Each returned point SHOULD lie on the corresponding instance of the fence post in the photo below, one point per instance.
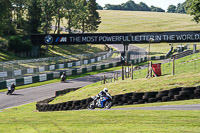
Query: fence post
(122, 72)
(104, 80)
(128, 72)
(173, 66)
(132, 71)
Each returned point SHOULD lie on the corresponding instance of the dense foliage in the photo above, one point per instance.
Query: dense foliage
(132, 6)
(38, 16)
(180, 8)
(16, 45)
(193, 8)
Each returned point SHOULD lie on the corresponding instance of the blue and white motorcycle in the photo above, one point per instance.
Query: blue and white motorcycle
(103, 102)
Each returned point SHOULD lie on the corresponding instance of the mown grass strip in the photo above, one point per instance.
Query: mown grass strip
(26, 119)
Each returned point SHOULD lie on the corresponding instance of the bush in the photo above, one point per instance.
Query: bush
(16, 45)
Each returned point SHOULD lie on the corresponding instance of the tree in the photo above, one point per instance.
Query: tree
(99, 7)
(81, 16)
(193, 9)
(156, 9)
(47, 14)
(171, 9)
(20, 8)
(6, 26)
(130, 6)
(113, 7)
(59, 14)
(143, 7)
(181, 8)
(34, 16)
(71, 11)
(93, 19)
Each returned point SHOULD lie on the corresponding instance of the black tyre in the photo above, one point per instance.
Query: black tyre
(148, 95)
(108, 105)
(188, 88)
(118, 97)
(130, 101)
(142, 101)
(152, 100)
(125, 99)
(185, 93)
(175, 90)
(197, 93)
(162, 93)
(198, 87)
(91, 106)
(137, 95)
(172, 94)
(179, 97)
(166, 98)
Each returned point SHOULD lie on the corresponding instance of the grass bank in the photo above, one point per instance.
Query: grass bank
(137, 21)
(186, 70)
(26, 119)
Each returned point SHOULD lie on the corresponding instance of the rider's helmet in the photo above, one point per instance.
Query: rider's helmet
(105, 89)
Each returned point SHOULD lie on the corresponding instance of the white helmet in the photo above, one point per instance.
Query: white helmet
(105, 89)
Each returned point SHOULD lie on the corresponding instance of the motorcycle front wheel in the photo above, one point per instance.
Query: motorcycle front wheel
(108, 105)
(91, 106)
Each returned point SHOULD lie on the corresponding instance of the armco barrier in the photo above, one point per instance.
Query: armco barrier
(181, 93)
(55, 75)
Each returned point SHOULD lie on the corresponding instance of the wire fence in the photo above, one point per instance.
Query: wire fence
(188, 64)
(21, 68)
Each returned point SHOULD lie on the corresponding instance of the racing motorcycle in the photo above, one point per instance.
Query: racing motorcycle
(11, 91)
(103, 102)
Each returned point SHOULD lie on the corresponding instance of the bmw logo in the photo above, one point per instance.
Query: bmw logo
(48, 39)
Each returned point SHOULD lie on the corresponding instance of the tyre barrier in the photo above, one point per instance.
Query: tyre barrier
(181, 93)
(65, 91)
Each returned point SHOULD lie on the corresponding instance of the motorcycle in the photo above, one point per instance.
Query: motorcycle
(104, 102)
(10, 92)
(63, 79)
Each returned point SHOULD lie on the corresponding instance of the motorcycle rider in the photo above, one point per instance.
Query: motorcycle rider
(99, 97)
(63, 77)
(11, 89)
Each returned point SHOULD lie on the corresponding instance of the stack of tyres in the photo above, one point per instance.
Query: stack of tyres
(185, 93)
(197, 92)
(162, 96)
(150, 97)
(126, 99)
(173, 92)
(84, 104)
(76, 105)
(117, 100)
(136, 97)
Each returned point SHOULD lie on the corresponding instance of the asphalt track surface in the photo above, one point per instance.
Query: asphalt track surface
(38, 93)
(33, 94)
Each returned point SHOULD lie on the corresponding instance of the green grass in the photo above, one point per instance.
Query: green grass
(135, 21)
(186, 70)
(25, 119)
(56, 51)
(183, 102)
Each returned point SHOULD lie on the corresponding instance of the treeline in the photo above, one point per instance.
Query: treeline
(38, 16)
(180, 8)
(132, 6)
